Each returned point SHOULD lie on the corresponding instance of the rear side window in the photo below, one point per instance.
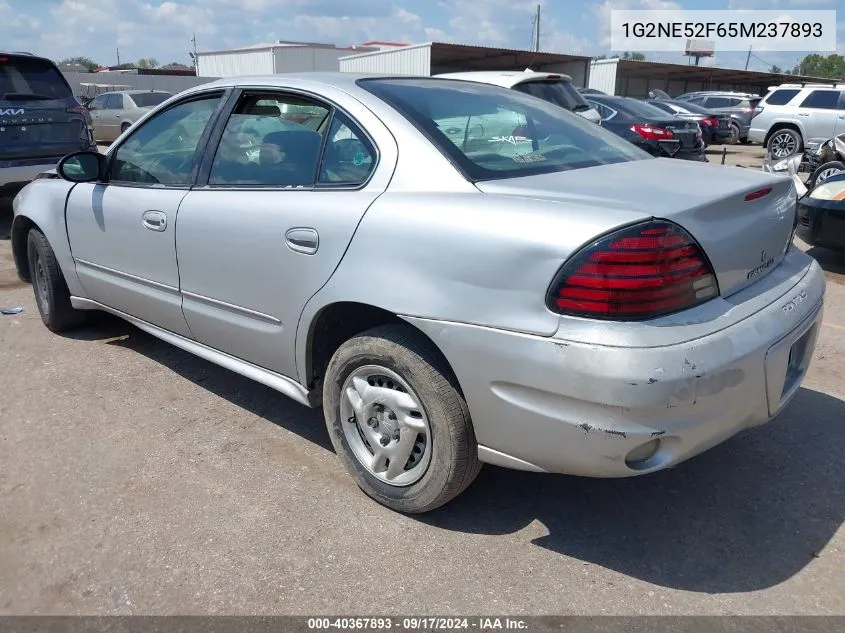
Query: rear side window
(113, 102)
(150, 99)
(22, 78)
(560, 93)
(824, 99)
(781, 97)
(718, 102)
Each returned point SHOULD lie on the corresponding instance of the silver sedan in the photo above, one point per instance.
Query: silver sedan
(456, 272)
(114, 112)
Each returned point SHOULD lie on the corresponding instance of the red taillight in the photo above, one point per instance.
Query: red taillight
(754, 195)
(711, 122)
(640, 272)
(652, 133)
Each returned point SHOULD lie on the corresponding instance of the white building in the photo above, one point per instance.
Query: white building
(432, 58)
(270, 58)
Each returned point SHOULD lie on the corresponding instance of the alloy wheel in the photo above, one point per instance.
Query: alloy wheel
(783, 144)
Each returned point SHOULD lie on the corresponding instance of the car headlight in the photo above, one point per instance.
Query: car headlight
(831, 190)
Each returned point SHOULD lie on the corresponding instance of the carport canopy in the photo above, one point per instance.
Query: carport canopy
(448, 57)
(634, 78)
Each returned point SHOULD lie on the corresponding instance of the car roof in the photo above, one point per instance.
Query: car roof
(347, 81)
(504, 78)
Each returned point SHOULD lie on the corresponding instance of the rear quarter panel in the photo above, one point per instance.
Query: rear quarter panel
(464, 257)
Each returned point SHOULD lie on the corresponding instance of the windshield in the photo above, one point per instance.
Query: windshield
(490, 132)
(559, 92)
(149, 99)
(33, 78)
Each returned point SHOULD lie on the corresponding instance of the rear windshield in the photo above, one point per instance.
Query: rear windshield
(638, 108)
(686, 106)
(149, 99)
(23, 78)
(560, 93)
(490, 132)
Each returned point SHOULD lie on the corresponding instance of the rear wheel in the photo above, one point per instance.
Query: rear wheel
(825, 171)
(51, 292)
(785, 142)
(398, 421)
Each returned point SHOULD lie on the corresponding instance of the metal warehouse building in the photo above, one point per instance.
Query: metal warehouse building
(633, 78)
(432, 58)
(274, 57)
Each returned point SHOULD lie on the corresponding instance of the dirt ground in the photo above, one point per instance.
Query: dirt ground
(137, 479)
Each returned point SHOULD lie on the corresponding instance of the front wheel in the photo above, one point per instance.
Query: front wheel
(398, 421)
(51, 292)
(825, 171)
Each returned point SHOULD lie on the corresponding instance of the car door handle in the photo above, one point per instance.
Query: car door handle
(803, 114)
(154, 220)
(302, 240)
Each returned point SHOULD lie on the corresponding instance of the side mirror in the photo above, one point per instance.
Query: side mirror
(82, 167)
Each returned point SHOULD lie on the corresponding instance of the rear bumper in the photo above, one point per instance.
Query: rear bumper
(757, 135)
(14, 175)
(553, 405)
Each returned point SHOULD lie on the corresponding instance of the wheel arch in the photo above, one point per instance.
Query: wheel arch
(42, 205)
(337, 322)
(781, 125)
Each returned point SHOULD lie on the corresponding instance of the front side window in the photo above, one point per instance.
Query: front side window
(823, 99)
(164, 149)
(114, 102)
(492, 132)
(271, 141)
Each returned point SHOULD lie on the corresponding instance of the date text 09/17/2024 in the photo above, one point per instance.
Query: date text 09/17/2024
(418, 624)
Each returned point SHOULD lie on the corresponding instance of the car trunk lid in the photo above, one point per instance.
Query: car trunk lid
(39, 117)
(742, 219)
(34, 129)
(683, 130)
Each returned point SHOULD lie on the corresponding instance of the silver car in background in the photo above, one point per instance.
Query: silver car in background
(113, 112)
(555, 301)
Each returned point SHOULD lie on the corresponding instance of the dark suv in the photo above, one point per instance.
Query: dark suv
(739, 105)
(40, 120)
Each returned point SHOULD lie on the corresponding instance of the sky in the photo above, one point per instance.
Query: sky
(163, 29)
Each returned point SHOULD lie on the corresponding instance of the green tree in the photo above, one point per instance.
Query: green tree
(89, 63)
(635, 56)
(775, 69)
(815, 65)
(145, 62)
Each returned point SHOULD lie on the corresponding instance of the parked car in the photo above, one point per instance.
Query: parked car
(40, 120)
(552, 87)
(794, 116)
(561, 303)
(739, 105)
(715, 128)
(114, 112)
(650, 128)
(590, 91)
(821, 214)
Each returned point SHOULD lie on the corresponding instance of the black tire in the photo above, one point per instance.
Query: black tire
(51, 293)
(775, 137)
(812, 181)
(454, 460)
